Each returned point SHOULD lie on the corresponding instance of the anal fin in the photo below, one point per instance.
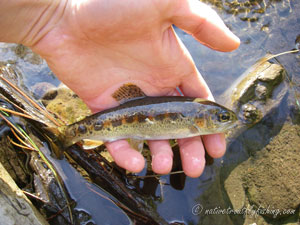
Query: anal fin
(88, 144)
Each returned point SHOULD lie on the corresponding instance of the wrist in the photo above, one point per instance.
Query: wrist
(27, 21)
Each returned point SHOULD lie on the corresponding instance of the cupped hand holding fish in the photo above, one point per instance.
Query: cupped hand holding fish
(95, 46)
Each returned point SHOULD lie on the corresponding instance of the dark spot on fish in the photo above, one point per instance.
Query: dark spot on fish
(173, 116)
(135, 118)
(129, 119)
(141, 118)
(200, 115)
(116, 123)
(98, 125)
(106, 123)
(200, 122)
(88, 122)
(82, 129)
(160, 117)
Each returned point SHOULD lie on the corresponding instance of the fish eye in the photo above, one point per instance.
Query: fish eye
(82, 129)
(224, 117)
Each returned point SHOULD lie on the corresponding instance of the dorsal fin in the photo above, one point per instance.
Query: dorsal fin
(128, 92)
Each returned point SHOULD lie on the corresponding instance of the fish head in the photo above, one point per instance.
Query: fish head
(223, 119)
(214, 118)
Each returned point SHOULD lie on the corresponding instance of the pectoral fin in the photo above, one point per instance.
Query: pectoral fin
(136, 144)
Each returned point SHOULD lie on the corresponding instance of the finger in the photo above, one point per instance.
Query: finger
(204, 24)
(215, 144)
(192, 156)
(162, 156)
(125, 156)
(195, 86)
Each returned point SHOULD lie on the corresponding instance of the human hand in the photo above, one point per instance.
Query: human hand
(95, 46)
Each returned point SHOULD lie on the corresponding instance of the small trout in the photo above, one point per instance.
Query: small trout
(151, 118)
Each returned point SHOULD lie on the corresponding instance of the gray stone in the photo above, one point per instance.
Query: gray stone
(15, 208)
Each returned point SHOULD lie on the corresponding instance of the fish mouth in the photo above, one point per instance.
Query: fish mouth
(234, 124)
(231, 124)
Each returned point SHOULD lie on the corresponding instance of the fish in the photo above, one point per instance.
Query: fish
(144, 117)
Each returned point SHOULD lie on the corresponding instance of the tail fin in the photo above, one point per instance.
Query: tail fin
(56, 139)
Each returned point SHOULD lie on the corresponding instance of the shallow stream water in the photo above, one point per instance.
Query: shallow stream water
(263, 26)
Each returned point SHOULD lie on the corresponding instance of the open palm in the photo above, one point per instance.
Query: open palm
(96, 46)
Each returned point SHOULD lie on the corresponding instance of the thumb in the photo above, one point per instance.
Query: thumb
(204, 24)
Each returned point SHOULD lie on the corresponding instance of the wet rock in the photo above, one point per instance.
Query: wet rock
(250, 113)
(66, 104)
(261, 78)
(261, 91)
(257, 92)
(15, 208)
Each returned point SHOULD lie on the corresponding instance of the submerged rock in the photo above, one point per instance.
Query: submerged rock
(260, 173)
(270, 179)
(258, 90)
